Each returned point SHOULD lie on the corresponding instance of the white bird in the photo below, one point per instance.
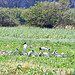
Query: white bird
(30, 53)
(40, 54)
(62, 54)
(10, 52)
(58, 55)
(25, 54)
(46, 54)
(72, 51)
(44, 48)
(35, 53)
(54, 53)
(25, 46)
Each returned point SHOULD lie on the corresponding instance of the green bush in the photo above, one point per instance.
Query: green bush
(43, 14)
(7, 20)
(71, 13)
(40, 15)
(48, 14)
(16, 12)
(11, 17)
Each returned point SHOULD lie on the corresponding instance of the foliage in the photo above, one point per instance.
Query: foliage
(38, 15)
(46, 14)
(43, 14)
(16, 12)
(11, 17)
(71, 13)
(7, 20)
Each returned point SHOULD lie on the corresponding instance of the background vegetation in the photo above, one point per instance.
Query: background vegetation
(43, 14)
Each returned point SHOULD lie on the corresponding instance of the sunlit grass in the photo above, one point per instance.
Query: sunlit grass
(22, 64)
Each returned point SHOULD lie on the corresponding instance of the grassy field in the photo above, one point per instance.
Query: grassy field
(61, 40)
(35, 33)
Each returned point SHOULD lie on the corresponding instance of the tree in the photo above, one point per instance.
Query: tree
(47, 14)
(40, 15)
(7, 20)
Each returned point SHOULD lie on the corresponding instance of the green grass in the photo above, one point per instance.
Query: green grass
(39, 65)
(57, 39)
(35, 33)
(10, 65)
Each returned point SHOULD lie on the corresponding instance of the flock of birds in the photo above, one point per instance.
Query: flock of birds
(33, 53)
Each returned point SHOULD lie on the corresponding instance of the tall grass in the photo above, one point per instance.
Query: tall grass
(60, 39)
(36, 33)
(56, 39)
(36, 66)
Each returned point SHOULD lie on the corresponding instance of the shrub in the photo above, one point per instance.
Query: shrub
(12, 17)
(16, 12)
(46, 14)
(40, 15)
(7, 20)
